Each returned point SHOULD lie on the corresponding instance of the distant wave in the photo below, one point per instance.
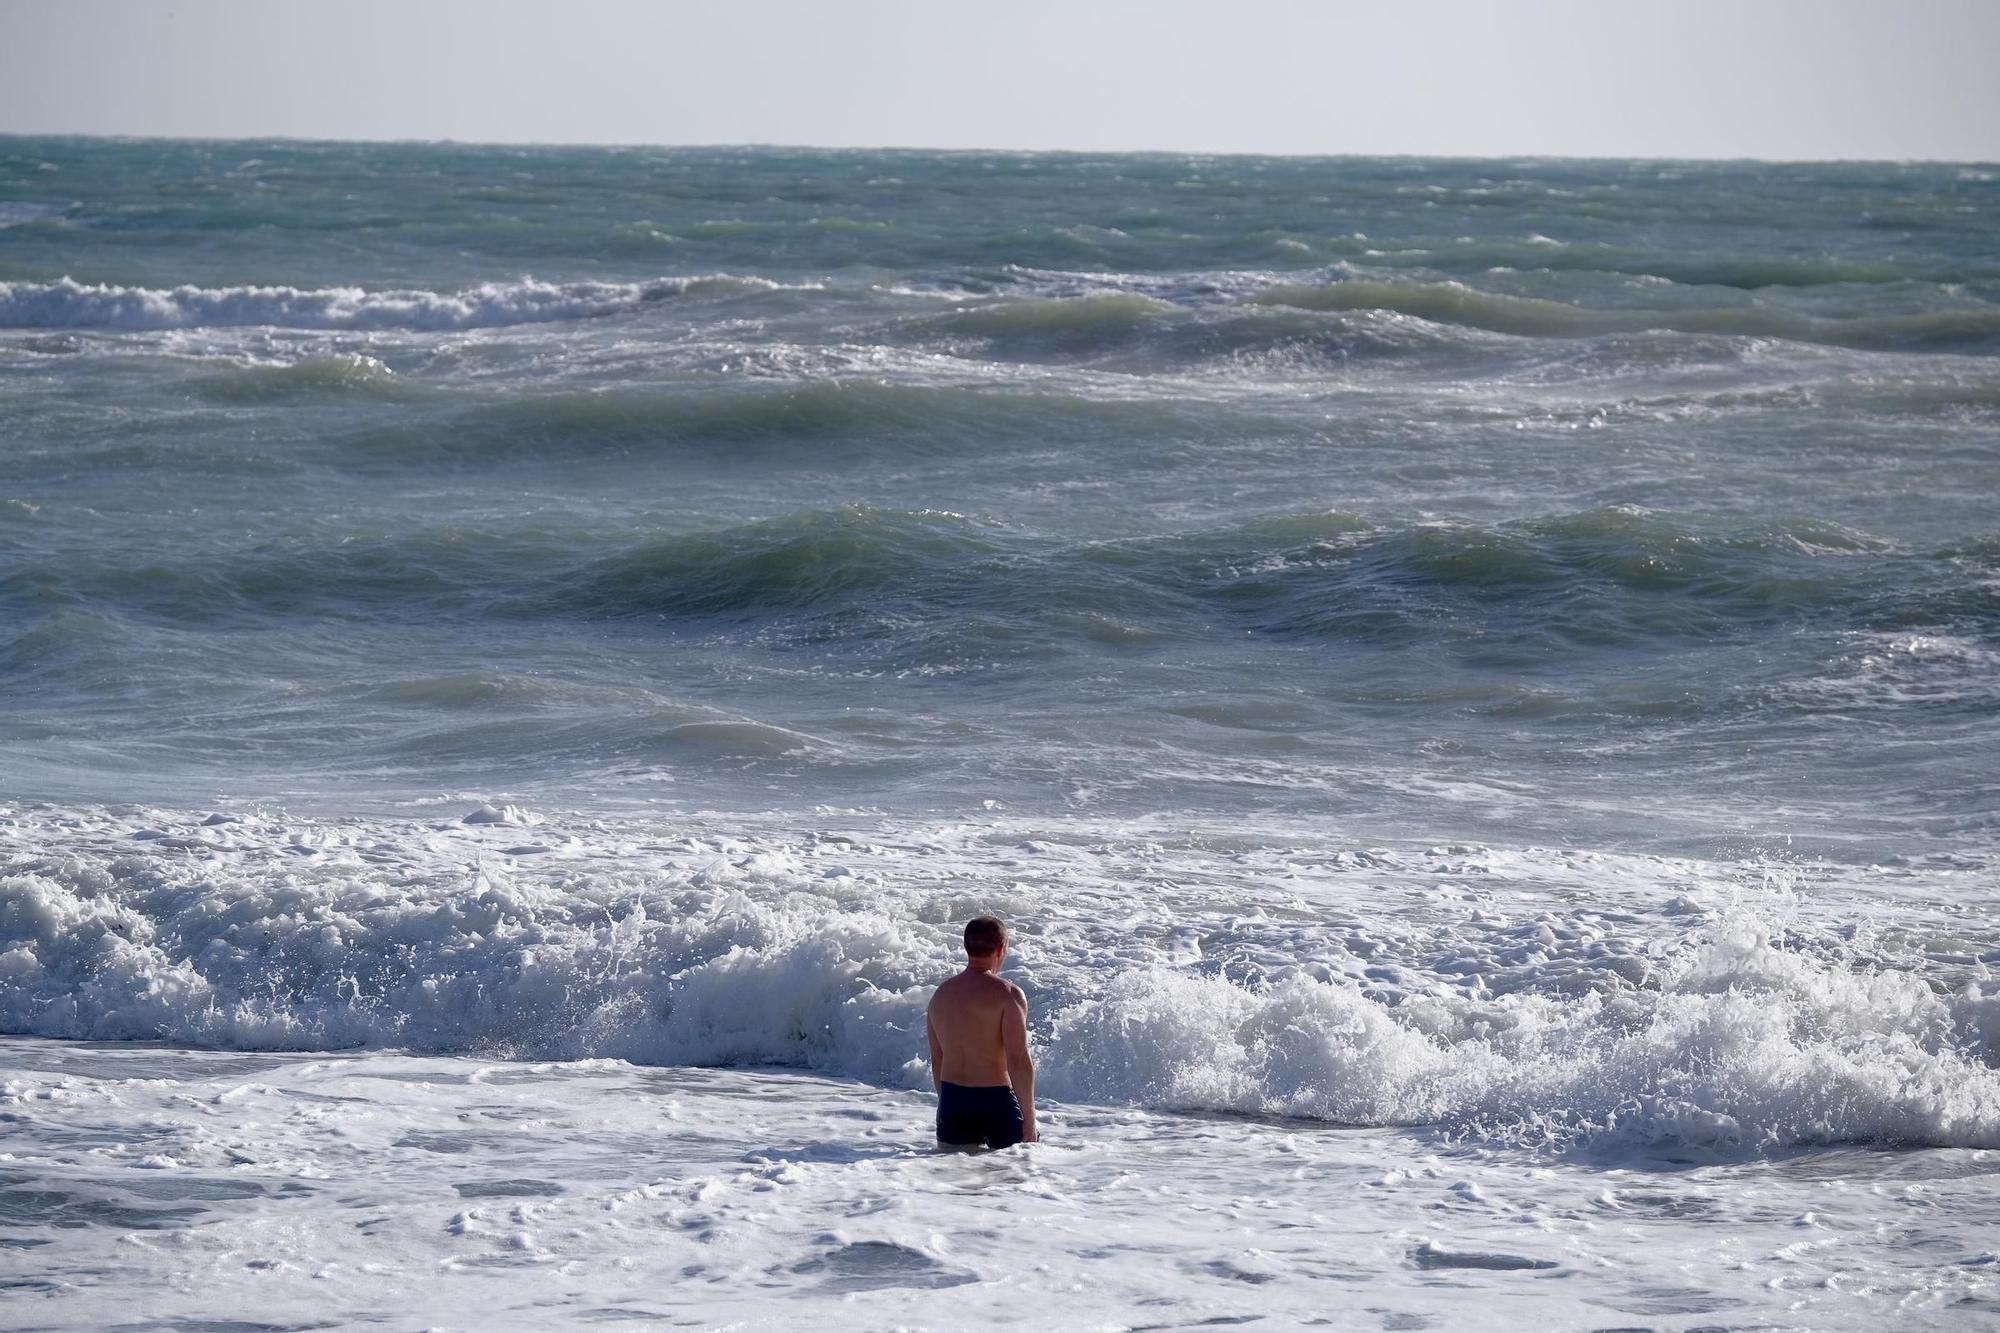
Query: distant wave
(1165, 321)
(885, 580)
(1747, 272)
(1082, 315)
(1074, 315)
(1955, 329)
(1130, 333)
(68, 304)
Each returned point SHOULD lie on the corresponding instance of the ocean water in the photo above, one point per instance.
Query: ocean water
(1476, 683)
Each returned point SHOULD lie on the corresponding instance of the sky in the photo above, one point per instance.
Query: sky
(1779, 79)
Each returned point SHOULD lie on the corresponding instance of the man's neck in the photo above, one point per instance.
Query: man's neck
(982, 964)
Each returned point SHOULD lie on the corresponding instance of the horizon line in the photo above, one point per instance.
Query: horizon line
(769, 146)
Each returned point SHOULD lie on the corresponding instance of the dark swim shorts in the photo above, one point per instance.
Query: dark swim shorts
(969, 1117)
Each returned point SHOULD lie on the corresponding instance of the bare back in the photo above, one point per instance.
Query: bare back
(972, 1018)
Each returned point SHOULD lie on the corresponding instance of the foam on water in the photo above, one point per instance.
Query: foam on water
(68, 304)
(1280, 989)
(365, 1188)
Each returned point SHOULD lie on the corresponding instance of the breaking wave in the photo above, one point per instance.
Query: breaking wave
(68, 304)
(1716, 1033)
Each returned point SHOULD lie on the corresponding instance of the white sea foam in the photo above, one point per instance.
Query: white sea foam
(1460, 988)
(1899, 671)
(68, 304)
(369, 1188)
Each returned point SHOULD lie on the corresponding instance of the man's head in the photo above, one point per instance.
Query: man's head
(985, 939)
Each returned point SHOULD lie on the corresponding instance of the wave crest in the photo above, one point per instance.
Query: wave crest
(1959, 329)
(68, 304)
(1744, 1045)
(1613, 574)
(726, 952)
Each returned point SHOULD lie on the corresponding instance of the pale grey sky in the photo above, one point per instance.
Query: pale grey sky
(1681, 78)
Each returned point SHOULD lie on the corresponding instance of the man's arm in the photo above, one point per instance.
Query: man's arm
(937, 1052)
(1020, 1066)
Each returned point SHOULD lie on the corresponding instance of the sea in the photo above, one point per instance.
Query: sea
(1474, 683)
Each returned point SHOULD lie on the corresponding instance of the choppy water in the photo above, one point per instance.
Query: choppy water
(1506, 654)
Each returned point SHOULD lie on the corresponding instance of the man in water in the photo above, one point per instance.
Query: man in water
(979, 1049)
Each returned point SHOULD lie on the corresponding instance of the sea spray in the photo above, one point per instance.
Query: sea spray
(732, 952)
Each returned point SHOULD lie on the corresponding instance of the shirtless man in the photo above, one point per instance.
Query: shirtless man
(979, 1049)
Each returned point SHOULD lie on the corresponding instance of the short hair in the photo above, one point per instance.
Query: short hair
(984, 935)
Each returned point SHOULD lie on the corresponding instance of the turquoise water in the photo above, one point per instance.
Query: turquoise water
(1606, 504)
